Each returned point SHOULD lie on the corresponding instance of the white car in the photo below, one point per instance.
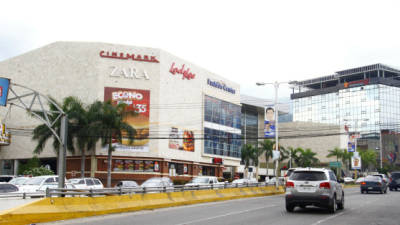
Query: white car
(158, 184)
(272, 181)
(348, 180)
(359, 180)
(19, 181)
(244, 181)
(204, 181)
(39, 184)
(86, 183)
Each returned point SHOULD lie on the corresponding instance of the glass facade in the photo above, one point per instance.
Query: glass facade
(366, 109)
(250, 125)
(222, 134)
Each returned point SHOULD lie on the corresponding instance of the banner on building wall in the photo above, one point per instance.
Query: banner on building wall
(4, 87)
(5, 137)
(269, 122)
(138, 102)
(181, 139)
(351, 145)
(356, 163)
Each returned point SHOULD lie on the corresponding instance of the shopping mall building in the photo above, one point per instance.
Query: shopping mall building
(177, 104)
(364, 100)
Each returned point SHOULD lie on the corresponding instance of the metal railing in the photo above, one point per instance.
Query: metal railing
(69, 192)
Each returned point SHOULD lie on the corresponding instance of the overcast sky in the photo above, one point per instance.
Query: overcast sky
(244, 41)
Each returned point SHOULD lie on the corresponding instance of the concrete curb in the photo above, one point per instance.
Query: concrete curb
(53, 209)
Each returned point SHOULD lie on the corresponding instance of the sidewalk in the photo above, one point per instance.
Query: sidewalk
(9, 203)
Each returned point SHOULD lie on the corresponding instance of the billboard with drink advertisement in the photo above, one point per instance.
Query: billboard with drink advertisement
(356, 163)
(181, 139)
(138, 102)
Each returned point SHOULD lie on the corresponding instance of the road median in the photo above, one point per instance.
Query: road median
(53, 209)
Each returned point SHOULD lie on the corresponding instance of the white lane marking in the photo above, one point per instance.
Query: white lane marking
(224, 215)
(328, 218)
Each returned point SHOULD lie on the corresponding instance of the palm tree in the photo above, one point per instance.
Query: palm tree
(338, 153)
(248, 153)
(307, 158)
(108, 124)
(293, 155)
(346, 157)
(42, 133)
(368, 158)
(266, 147)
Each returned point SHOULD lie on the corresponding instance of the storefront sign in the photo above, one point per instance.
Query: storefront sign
(126, 56)
(128, 72)
(181, 139)
(217, 161)
(4, 86)
(135, 165)
(137, 101)
(220, 85)
(186, 74)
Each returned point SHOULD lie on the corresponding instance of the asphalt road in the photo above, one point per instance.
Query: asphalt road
(360, 209)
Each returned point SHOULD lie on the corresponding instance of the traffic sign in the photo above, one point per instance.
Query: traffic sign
(335, 164)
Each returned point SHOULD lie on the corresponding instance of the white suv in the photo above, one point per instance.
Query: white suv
(314, 186)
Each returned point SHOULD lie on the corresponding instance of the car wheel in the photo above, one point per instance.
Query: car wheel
(341, 203)
(289, 208)
(302, 206)
(391, 189)
(367, 192)
(362, 192)
(333, 205)
(385, 191)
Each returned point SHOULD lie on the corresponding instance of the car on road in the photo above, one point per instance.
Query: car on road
(373, 183)
(19, 181)
(359, 180)
(383, 176)
(348, 180)
(39, 184)
(126, 184)
(6, 178)
(8, 188)
(244, 181)
(158, 184)
(204, 181)
(86, 183)
(394, 181)
(272, 181)
(314, 186)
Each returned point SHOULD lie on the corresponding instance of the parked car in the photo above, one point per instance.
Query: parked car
(394, 181)
(314, 186)
(6, 178)
(204, 181)
(86, 183)
(8, 188)
(19, 181)
(39, 184)
(373, 183)
(272, 181)
(158, 184)
(127, 184)
(244, 181)
(348, 180)
(288, 173)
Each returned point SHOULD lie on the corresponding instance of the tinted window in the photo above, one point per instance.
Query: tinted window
(49, 180)
(395, 175)
(89, 182)
(308, 175)
(97, 182)
(4, 188)
(332, 176)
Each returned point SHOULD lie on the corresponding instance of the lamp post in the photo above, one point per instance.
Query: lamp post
(276, 86)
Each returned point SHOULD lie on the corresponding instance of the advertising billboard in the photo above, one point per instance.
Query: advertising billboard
(269, 122)
(181, 139)
(137, 101)
(5, 137)
(356, 163)
(4, 87)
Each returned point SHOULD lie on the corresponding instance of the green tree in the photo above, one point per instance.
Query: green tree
(34, 162)
(346, 159)
(266, 147)
(248, 154)
(307, 158)
(293, 155)
(42, 133)
(38, 171)
(368, 158)
(109, 125)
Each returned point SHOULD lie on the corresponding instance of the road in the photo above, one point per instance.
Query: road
(359, 209)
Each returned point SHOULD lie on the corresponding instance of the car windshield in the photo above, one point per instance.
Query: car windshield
(18, 180)
(395, 175)
(200, 180)
(151, 182)
(308, 175)
(35, 181)
(77, 181)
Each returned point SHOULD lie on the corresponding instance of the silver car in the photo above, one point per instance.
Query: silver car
(314, 186)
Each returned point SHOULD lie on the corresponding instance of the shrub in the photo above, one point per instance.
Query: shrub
(38, 171)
